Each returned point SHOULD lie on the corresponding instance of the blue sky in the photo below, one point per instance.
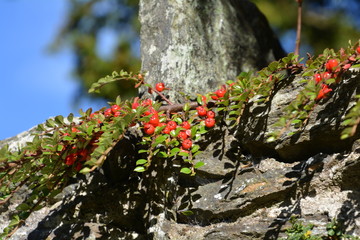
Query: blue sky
(35, 84)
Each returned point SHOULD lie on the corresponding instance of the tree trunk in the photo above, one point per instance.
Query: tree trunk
(195, 46)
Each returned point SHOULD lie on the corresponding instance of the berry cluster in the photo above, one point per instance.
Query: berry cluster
(75, 154)
(179, 126)
(332, 70)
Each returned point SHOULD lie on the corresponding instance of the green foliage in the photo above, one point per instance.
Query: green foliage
(63, 147)
(325, 24)
(84, 28)
(300, 231)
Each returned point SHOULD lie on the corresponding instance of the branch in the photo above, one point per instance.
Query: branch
(298, 30)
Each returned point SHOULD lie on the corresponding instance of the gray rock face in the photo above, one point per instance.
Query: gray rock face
(195, 46)
(321, 134)
(243, 191)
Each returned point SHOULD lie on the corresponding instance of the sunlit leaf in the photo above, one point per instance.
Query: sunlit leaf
(186, 170)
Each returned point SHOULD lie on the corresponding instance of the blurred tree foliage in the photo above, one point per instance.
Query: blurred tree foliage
(326, 23)
(97, 26)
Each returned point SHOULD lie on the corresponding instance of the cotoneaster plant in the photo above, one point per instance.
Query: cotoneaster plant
(64, 147)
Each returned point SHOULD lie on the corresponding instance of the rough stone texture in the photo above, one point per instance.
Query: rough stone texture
(243, 192)
(321, 134)
(195, 46)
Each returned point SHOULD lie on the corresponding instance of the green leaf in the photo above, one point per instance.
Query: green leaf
(271, 139)
(174, 151)
(88, 112)
(141, 162)
(273, 66)
(331, 232)
(185, 170)
(183, 154)
(186, 107)
(344, 136)
(195, 148)
(23, 207)
(199, 99)
(67, 138)
(295, 121)
(50, 123)
(139, 169)
(330, 81)
(85, 170)
(162, 154)
(59, 120)
(160, 139)
(81, 112)
(193, 131)
(118, 100)
(41, 128)
(14, 221)
(356, 66)
(199, 164)
(187, 212)
(70, 118)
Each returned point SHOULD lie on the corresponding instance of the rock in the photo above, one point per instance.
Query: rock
(321, 134)
(195, 46)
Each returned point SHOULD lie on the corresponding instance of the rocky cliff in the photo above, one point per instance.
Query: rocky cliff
(249, 188)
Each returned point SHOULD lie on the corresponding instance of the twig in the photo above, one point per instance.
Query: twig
(179, 107)
(298, 30)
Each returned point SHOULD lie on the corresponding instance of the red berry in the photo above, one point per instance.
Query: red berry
(147, 102)
(117, 114)
(161, 124)
(149, 129)
(115, 108)
(186, 144)
(323, 91)
(70, 159)
(167, 130)
(150, 111)
(160, 87)
(74, 129)
(82, 154)
(186, 125)
(209, 122)
(317, 77)
(358, 49)
(210, 114)
(171, 125)
(108, 112)
(182, 135)
(331, 64)
(78, 167)
(201, 111)
(203, 98)
(214, 97)
(326, 75)
(154, 120)
(221, 92)
(135, 105)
